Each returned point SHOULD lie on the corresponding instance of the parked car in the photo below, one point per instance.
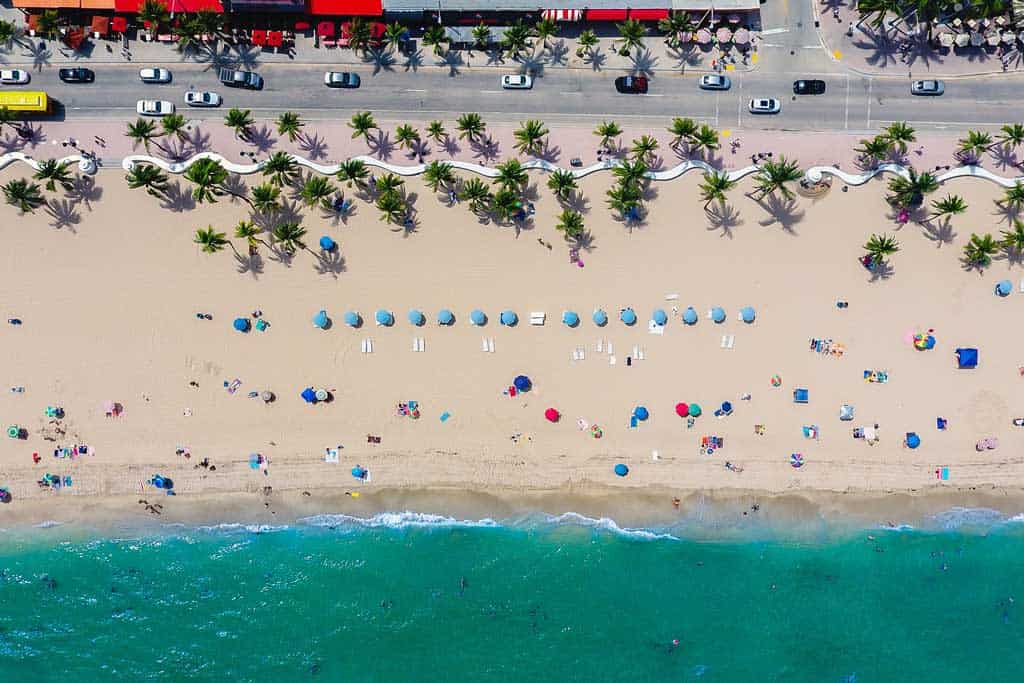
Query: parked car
(933, 88)
(14, 77)
(808, 87)
(341, 79)
(767, 105)
(636, 85)
(154, 107)
(202, 98)
(155, 75)
(714, 82)
(516, 82)
(77, 74)
(235, 78)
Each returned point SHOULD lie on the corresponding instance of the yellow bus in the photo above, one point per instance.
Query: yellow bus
(25, 101)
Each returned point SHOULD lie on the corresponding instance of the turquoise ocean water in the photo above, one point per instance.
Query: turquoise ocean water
(405, 597)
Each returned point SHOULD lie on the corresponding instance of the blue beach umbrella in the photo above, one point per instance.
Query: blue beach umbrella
(659, 317)
(726, 407)
(416, 317)
(358, 472)
(641, 413)
(570, 318)
(522, 383)
(308, 395)
(747, 314)
(384, 317)
(600, 317)
(241, 324)
(621, 470)
(690, 316)
(321, 320)
(477, 317)
(913, 440)
(353, 319)
(1004, 288)
(718, 314)
(327, 244)
(445, 317)
(509, 318)
(628, 316)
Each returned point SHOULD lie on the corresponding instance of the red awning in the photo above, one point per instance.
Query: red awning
(127, 6)
(606, 15)
(302, 25)
(100, 25)
(562, 14)
(362, 8)
(325, 29)
(119, 24)
(175, 6)
(648, 14)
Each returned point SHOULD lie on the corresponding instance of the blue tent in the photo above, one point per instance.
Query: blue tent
(321, 320)
(1004, 287)
(913, 440)
(628, 316)
(242, 324)
(659, 317)
(477, 317)
(621, 470)
(358, 472)
(600, 317)
(718, 314)
(967, 358)
(308, 395)
(522, 383)
(327, 244)
(445, 317)
(690, 316)
(801, 395)
(509, 317)
(570, 318)
(747, 314)
(384, 317)
(641, 413)
(416, 317)
(353, 319)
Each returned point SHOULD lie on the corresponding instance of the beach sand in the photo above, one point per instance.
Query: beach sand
(109, 301)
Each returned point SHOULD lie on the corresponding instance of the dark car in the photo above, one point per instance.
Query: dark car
(631, 84)
(76, 74)
(808, 87)
(235, 78)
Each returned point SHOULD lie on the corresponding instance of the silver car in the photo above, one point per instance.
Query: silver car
(516, 82)
(155, 75)
(933, 88)
(154, 107)
(767, 105)
(714, 82)
(205, 98)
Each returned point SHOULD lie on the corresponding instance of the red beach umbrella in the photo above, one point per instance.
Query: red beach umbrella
(552, 415)
(682, 410)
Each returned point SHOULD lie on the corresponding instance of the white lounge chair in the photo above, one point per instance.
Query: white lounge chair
(538, 317)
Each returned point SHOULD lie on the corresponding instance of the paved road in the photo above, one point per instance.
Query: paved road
(852, 103)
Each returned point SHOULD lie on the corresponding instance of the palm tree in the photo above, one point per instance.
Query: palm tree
(48, 24)
(1013, 240)
(436, 131)
(876, 149)
(673, 25)
(149, 177)
(281, 168)
(1013, 197)
(361, 124)
(248, 231)
(562, 183)
(289, 235)
(950, 205)
(143, 130)
(481, 36)
(266, 198)
(683, 129)
(210, 241)
(239, 120)
(511, 174)
(438, 173)
(476, 192)
(317, 190)
(631, 172)
(407, 136)
(470, 126)
(544, 29)
(516, 39)
(530, 136)
(900, 134)
(54, 173)
(643, 148)
(624, 198)
(505, 204)
(714, 186)
(353, 171)
(586, 42)
(608, 131)
(436, 37)
(9, 34)
(174, 124)
(879, 247)
(1011, 135)
(570, 224)
(209, 178)
(631, 35)
(289, 123)
(391, 206)
(23, 194)
(910, 191)
(389, 182)
(774, 175)
(705, 139)
(393, 35)
(979, 250)
(974, 145)
(358, 34)
(8, 118)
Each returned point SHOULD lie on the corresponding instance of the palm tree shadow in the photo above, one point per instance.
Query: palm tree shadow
(451, 145)
(488, 149)
(198, 140)
(452, 60)
(63, 213)
(596, 59)
(577, 201)
(532, 65)
(39, 52)
(84, 190)
(236, 188)
(495, 57)
(1006, 213)
(723, 217)
(32, 135)
(381, 58)
(584, 242)
(1004, 157)
(251, 263)
(337, 217)
(881, 271)
(281, 255)
(656, 163)
(558, 53)
(941, 234)
(521, 226)
(644, 63)
(263, 139)
(549, 153)
(413, 61)
(177, 198)
(314, 146)
(381, 145)
(782, 211)
(330, 263)
(883, 49)
(12, 143)
(685, 55)
(419, 149)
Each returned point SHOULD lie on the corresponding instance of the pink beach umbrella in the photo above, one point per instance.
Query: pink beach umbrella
(552, 415)
(682, 410)
(741, 37)
(703, 36)
(724, 35)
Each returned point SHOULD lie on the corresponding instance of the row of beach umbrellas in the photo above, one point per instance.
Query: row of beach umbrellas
(509, 317)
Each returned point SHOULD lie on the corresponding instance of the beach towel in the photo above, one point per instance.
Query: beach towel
(331, 456)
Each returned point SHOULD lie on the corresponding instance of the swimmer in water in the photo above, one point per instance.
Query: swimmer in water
(462, 585)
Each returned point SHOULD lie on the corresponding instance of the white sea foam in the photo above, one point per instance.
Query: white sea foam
(606, 524)
(958, 517)
(248, 528)
(48, 524)
(395, 520)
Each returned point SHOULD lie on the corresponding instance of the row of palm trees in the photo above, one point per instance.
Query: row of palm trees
(27, 196)
(970, 149)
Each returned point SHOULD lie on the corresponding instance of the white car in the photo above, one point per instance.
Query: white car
(202, 98)
(155, 75)
(714, 82)
(768, 105)
(14, 77)
(927, 88)
(154, 107)
(516, 82)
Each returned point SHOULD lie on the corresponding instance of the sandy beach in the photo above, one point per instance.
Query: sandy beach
(109, 303)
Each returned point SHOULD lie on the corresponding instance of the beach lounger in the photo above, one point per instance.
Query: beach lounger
(415, 344)
(538, 318)
(725, 340)
(609, 348)
(671, 297)
(331, 455)
(599, 347)
(732, 341)
(583, 353)
(641, 353)
(611, 360)
(483, 344)
(490, 345)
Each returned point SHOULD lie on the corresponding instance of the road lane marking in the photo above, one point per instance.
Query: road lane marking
(773, 31)
(412, 90)
(871, 83)
(846, 121)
